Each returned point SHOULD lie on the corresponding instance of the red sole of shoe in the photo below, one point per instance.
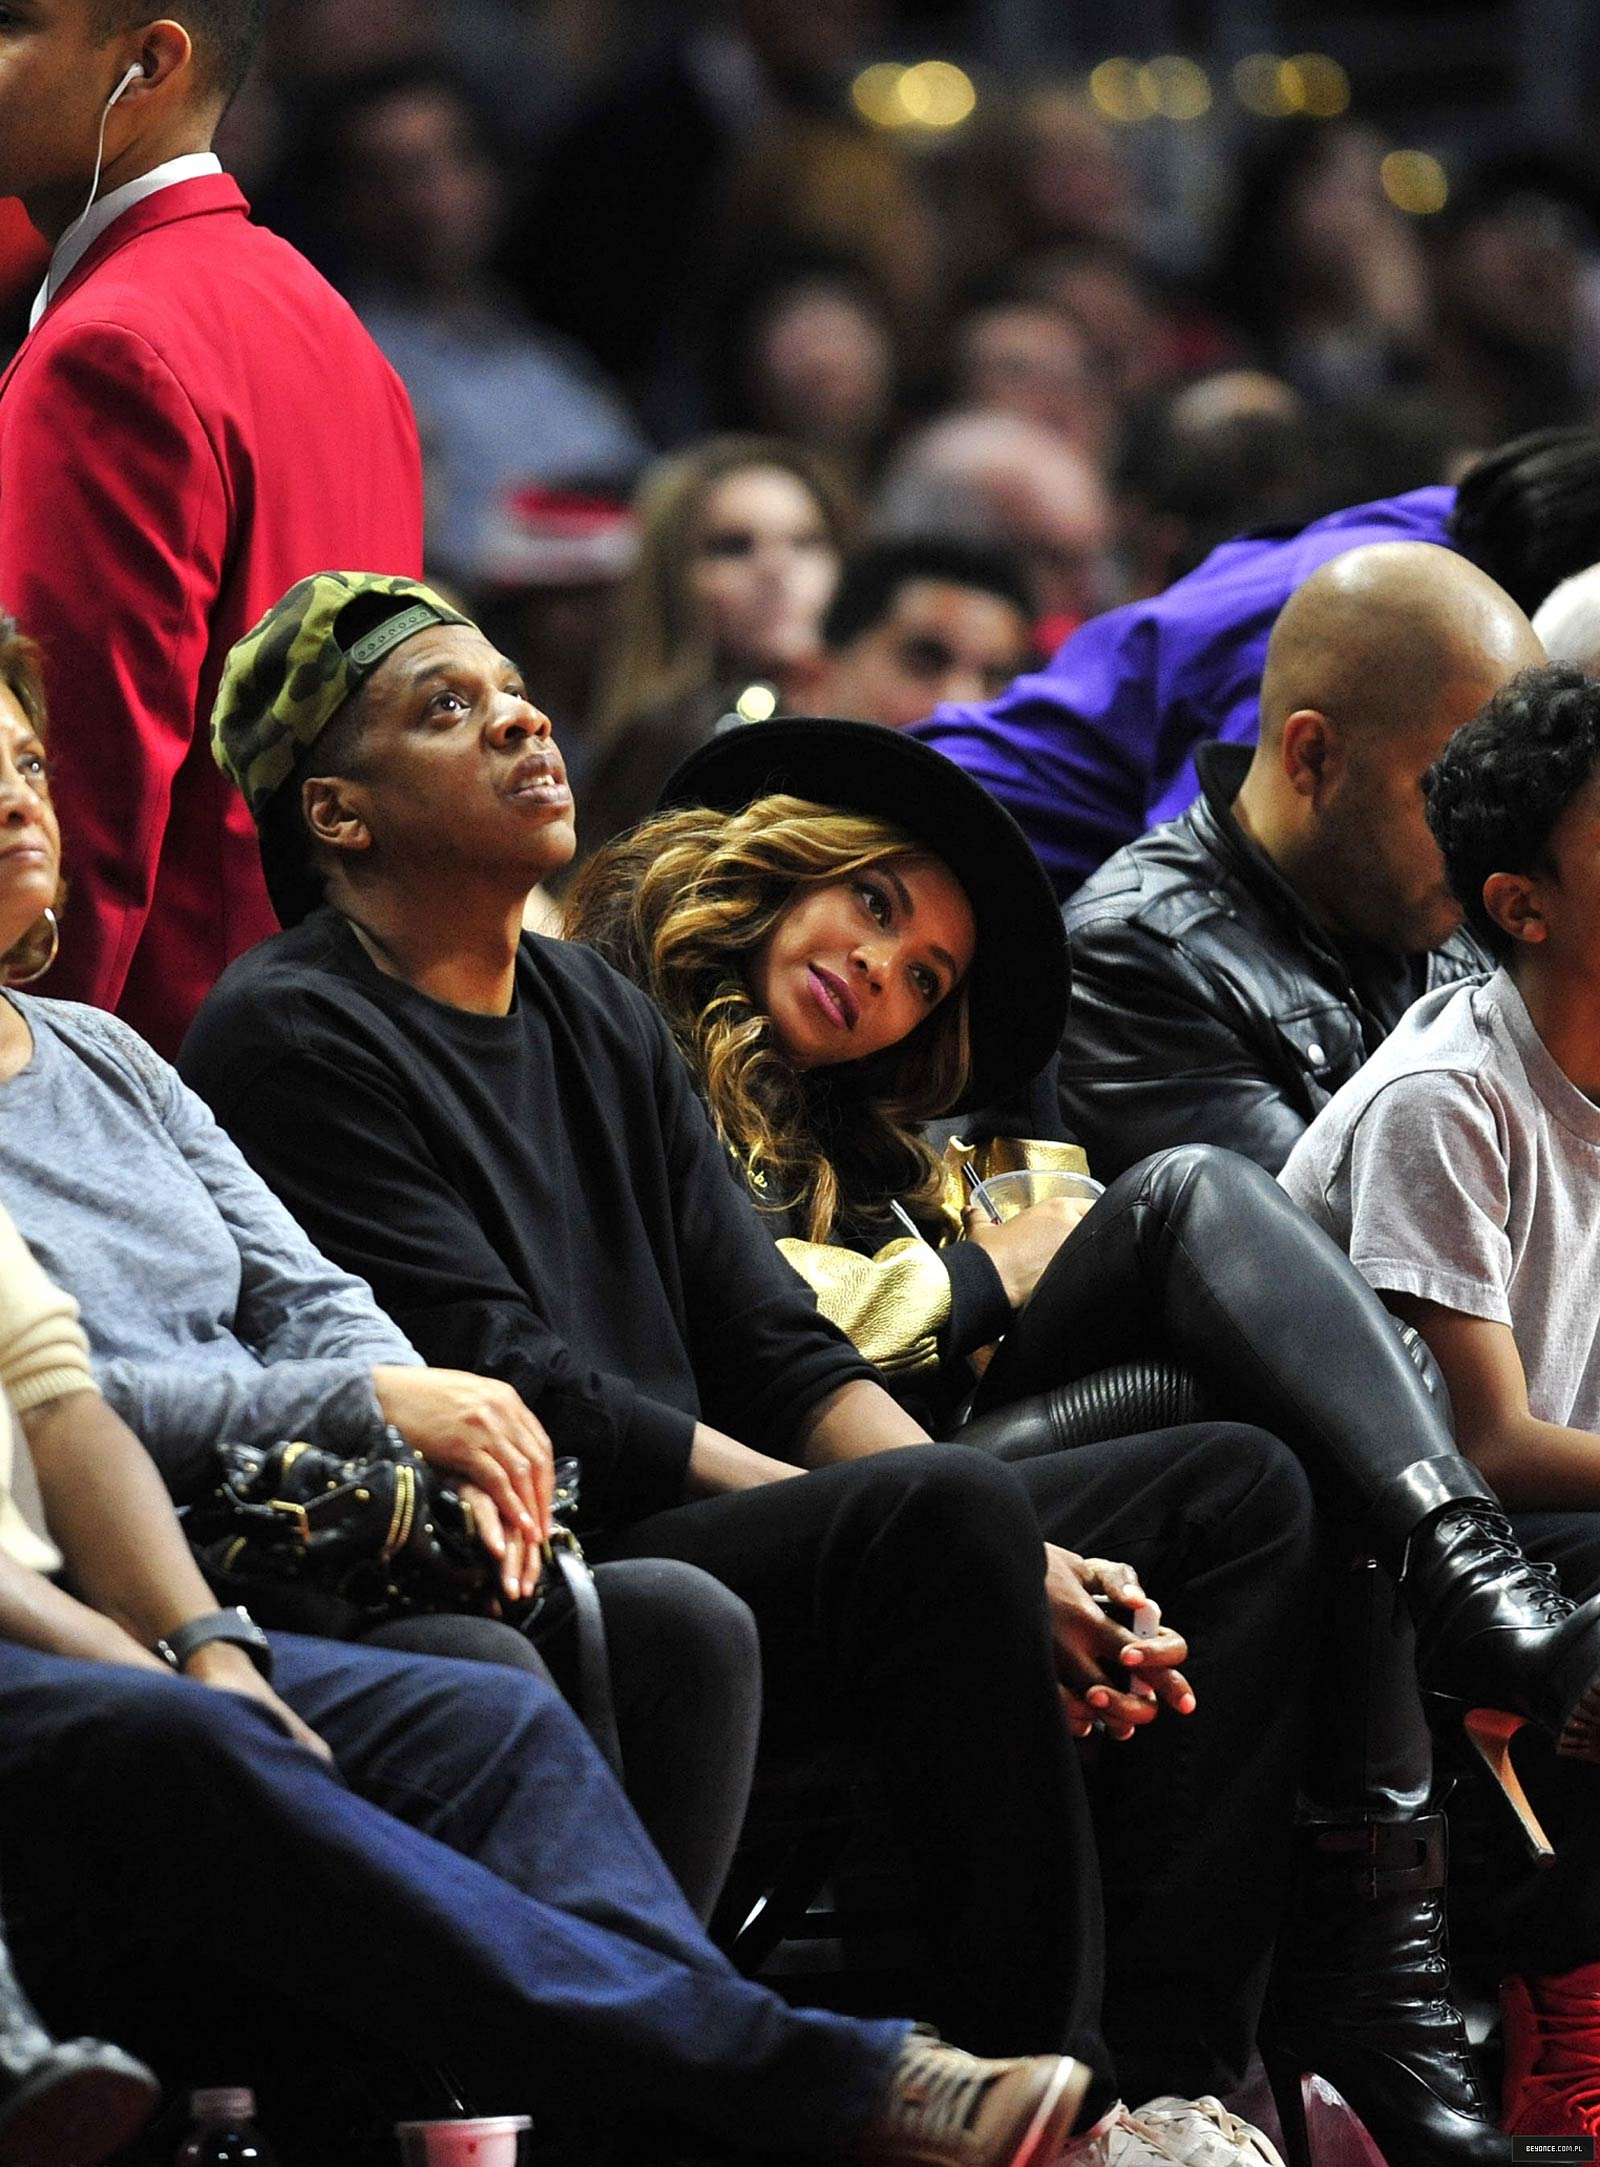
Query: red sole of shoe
(1490, 1732)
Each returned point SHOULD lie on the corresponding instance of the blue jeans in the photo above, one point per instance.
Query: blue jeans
(471, 1887)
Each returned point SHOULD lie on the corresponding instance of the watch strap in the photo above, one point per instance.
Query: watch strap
(235, 1626)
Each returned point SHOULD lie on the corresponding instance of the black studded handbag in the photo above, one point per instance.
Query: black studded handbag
(317, 1541)
(380, 1532)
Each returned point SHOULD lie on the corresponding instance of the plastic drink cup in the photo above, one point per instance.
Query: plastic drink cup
(1011, 1193)
(488, 2140)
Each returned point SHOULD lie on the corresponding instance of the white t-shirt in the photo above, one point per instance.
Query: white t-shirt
(1462, 1165)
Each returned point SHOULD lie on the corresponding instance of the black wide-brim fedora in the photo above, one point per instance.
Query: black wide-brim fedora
(1021, 975)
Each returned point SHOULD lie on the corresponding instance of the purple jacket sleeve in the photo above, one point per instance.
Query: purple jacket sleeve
(1099, 744)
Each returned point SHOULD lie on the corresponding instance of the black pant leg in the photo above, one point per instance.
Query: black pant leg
(686, 1681)
(1369, 1753)
(686, 1691)
(900, 1604)
(1197, 1254)
(1194, 1811)
(461, 1635)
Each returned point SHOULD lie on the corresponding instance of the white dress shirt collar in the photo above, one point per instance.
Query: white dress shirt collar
(76, 243)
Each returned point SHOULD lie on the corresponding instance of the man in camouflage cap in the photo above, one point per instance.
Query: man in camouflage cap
(283, 685)
(497, 1131)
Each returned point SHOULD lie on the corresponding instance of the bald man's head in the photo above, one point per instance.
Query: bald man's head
(1382, 637)
(1373, 664)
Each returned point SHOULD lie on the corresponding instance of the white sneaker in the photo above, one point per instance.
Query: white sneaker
(1171, 2132)
(1202, 2133)
(1114, 2141)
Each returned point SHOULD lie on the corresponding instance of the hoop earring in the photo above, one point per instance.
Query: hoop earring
(55, 950)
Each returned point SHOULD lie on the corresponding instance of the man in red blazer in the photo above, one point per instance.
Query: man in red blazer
(195, 422)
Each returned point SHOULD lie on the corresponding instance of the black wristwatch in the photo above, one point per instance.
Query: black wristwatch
(236, 1626)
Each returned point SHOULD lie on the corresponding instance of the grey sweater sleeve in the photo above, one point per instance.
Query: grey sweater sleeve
(315, 1330)
(181, 1413)
(294, 1304)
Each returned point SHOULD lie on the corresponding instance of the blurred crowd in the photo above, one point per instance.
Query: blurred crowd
(685, 333)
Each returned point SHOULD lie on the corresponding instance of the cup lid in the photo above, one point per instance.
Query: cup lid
(474, 2125)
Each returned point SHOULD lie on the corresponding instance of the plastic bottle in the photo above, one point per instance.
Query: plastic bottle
(222, 2132)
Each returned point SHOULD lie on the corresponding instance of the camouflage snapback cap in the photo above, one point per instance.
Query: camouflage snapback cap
(284, 682)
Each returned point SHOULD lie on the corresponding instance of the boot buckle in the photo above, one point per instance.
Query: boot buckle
(1384, 1858)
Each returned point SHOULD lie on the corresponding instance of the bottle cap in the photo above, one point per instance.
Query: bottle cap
(223, 2103)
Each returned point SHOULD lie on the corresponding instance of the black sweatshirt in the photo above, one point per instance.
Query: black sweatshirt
(538, 1197)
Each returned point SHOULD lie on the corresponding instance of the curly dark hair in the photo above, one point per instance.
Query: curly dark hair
(1504, 780)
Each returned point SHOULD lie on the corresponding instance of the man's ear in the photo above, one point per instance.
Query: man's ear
(1311, 753)
(165, 52)
(1514, 902)
(330, 815)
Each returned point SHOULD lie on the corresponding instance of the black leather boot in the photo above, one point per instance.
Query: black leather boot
(1361, 1995)
(1493, 1630)
(67, 2104)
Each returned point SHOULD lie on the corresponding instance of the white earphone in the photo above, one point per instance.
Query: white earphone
(132, 75)
(129, 75)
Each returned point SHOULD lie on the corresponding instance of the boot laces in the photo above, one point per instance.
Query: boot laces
(1537, 1582)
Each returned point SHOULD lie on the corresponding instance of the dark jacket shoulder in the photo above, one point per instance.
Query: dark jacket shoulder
(1207, 1005)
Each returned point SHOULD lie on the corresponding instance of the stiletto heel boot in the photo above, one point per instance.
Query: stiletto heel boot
(1492, 1630)
(66, 2104)
(1489, 1731)
(1361, 1995)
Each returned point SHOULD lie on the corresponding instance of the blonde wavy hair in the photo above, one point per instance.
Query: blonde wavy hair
(681, 906)
(22, 676)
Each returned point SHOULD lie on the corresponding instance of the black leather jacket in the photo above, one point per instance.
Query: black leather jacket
(1207, 1006)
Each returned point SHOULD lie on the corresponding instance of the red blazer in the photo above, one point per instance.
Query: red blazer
(198, 421)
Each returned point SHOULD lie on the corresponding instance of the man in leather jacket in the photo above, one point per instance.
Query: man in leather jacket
(1233, 967)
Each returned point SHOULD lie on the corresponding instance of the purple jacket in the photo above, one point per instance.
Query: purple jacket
(1099, 744)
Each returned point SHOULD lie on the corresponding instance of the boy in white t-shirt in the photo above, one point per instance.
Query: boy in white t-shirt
(1461, 1171)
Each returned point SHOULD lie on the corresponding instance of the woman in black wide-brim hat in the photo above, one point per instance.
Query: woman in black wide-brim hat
(849, 939)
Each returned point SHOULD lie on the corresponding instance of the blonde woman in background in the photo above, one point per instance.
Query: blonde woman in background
(740, 545)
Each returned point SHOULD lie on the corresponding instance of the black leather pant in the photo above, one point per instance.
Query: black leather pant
(1196, 1254)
